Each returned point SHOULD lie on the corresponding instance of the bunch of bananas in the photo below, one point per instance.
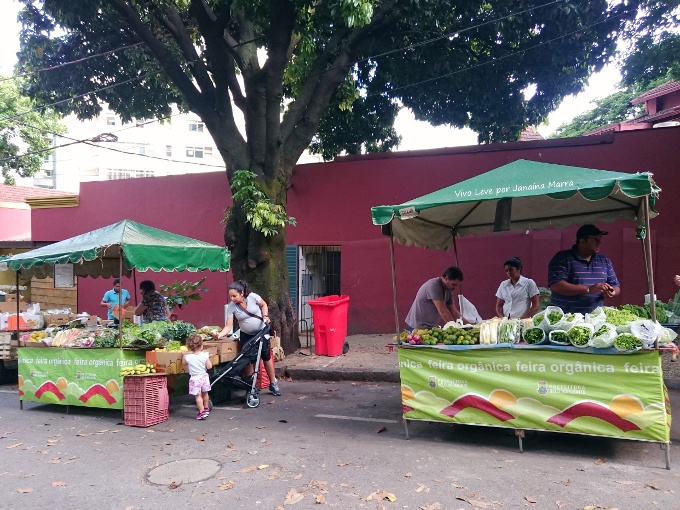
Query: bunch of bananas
(142, 368)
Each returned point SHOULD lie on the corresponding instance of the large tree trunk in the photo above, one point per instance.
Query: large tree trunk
(261, 261)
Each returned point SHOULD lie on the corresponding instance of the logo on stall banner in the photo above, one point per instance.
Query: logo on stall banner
(84, 376)
(432, 382)
(542, 388)
(38, 373)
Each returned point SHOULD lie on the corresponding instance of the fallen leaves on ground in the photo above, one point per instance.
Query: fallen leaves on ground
(231, 446)
(433, 506)
(200, 438)
(599, 462)
(174, 485)
(650, 486)
(594, 507)
(15, 445)
(293, 497)
(382, 429)
(298, 476)
(422, 487)
(343, 464)
(24, 490)
(27, 475)
(407, 475)
(263, 466)
(58, 484)
(227, 485)
(381, 495)
(319, 499)
(302, 397)
(530, 499)
(476, 503)
(249, 469)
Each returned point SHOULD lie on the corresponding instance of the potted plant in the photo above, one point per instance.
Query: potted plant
(179, 294)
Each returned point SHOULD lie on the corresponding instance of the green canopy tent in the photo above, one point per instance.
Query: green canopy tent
(520, 196)
(118, 249)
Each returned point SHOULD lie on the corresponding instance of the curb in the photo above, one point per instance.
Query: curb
(318, 374)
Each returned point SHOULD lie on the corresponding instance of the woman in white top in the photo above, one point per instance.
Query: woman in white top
(517, 297)
(252, 313)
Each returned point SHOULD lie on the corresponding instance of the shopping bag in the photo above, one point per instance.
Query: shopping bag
(468, 310)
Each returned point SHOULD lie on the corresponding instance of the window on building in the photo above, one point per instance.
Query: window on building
(194, 152)
(196, 126)
(168, 151)
(111, 120)
(139, 123)
(114, 174)
(141, 149)
(207, 152)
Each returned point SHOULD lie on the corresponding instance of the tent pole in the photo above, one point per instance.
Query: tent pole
(455, 247)
(394, 285)
(16, 285)
(121, 314)
(648, 262)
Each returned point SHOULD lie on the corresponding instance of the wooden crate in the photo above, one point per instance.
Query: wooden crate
(8, 347)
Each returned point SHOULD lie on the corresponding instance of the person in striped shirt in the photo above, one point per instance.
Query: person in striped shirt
(580, 278)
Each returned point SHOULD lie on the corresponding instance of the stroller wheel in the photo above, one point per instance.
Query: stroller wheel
(252, 400)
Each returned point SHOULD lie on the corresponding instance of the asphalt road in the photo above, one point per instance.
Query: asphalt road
(337, 445)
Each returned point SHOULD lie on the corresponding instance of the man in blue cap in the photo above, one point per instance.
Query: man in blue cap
(581, 277)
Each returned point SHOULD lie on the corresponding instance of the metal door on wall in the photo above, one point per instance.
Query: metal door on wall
(318, 275)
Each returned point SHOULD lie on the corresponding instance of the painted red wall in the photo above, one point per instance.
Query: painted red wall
(14, 223)
(332, 202)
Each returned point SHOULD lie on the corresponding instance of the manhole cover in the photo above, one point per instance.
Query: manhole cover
(184, 471)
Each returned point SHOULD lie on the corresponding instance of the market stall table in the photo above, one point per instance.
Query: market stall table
(531, 387)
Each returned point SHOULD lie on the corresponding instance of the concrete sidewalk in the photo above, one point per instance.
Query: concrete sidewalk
(370, 359)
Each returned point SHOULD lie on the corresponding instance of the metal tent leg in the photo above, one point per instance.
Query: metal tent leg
(667, 446)
(520, 435)
(406, 428)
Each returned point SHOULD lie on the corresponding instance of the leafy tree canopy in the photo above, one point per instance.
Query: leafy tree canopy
(651, 60)
(25, 133)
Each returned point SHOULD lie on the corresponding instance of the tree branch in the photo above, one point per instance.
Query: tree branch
(165, 58)
(173, 22)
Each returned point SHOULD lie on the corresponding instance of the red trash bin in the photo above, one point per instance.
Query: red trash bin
(330, 324)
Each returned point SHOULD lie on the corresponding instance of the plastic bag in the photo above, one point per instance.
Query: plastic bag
(509, 331)
(597, 317)
(549, 318)
(581, 334)
(559, 337)
(535, 336)
(667, 336)
(569, 321)
(604, 336)
(468, 310)
(646, 330)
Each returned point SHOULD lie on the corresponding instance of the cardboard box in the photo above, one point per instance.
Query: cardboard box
(56, 319)
(11, 306)
(226, 350)
(171, 362)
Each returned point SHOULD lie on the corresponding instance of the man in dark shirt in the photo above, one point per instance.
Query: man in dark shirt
(580, 278)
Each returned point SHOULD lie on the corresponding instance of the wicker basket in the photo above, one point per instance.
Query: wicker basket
(145, 399)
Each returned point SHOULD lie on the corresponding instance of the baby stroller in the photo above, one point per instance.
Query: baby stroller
(229, 375)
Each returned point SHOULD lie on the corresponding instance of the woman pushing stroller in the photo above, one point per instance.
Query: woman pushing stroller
(252, 313)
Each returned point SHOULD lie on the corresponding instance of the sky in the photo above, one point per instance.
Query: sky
(415, 135)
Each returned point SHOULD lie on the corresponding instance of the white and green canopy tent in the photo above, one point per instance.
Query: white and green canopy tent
(117, 250)
(520, 196)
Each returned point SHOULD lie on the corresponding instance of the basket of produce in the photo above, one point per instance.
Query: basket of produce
(558, 337)
(569, 321)
(580, 335)
(627, 342)
(604, 336)
(620, 318)
(535, 336)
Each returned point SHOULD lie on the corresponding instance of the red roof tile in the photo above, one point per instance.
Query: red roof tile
(661, 90)
(19, 194)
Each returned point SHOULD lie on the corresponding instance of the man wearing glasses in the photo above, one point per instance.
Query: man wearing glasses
(580, 278)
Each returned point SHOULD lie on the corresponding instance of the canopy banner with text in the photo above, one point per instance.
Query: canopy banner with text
(559, 391)
(77, 377)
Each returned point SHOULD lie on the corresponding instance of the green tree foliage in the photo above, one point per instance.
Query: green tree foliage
(608, 110)
(650, 60)
(25, 133)
(328, 73)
